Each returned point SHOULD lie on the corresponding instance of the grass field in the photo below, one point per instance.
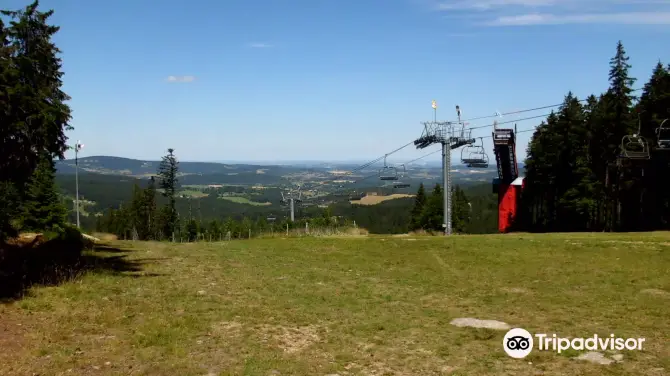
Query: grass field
(374, 200)
(347, 306)
(193, 193)
(244, 200)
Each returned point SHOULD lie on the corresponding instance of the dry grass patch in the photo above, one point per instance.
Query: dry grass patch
(374, 200)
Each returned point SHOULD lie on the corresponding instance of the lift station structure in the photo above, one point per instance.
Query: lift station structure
(508, 185)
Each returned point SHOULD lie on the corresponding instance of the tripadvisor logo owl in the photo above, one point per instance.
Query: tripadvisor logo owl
(518, 343)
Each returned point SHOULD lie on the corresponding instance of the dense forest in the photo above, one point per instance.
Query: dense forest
(597, 164)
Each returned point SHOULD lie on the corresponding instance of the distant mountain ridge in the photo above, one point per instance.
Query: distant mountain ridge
(127, 166)
(258, 173)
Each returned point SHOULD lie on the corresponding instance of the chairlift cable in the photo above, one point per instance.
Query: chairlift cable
(526, 110)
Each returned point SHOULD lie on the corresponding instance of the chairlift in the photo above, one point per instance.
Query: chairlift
(271, 218)
(388, 172)
(663, 136)
(474, 156)
(356, 196)
(634, 146)
(401, 185)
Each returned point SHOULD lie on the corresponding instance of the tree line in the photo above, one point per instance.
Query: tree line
(428, 211)
(598, 164)
(141, 219)
(34, 116)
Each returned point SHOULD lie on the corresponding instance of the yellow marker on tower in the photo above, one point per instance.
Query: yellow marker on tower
(434, 105)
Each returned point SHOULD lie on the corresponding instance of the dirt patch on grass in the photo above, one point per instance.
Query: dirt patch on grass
(227, 328)
(657, 292)
(12, 337)
(291, 340)
(515, 290)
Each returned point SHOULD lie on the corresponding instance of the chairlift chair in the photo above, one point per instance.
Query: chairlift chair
(634, 146)
(474, 156)
(388, 172)
(356, 196)
(402, 174)
(663, 136)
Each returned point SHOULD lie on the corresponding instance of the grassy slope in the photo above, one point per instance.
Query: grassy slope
(374, 200)
(244, 200)
(373, 306)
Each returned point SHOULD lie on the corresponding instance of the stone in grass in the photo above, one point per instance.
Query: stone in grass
(595, 357)
(477, 323)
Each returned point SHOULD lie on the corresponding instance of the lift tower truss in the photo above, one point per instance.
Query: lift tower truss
(291, 198)
(451, 135)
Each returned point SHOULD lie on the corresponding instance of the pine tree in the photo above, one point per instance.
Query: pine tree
(34, 115)
(42, 207)
(136, 211)
(432, 216)
(167, 172)
(619, 100)
(460, 210)
(150, 212)
(192, 230)
(419, 202)
(621, 90)
(214, 229)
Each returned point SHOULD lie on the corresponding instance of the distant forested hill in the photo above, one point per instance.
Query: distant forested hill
(127, 166)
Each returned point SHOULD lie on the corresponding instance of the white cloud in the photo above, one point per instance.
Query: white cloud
(557, 12)
(490, 4)
(180, 78)
(630, 18)
(260, 45)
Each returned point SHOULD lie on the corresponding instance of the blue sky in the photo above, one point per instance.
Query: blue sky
(328, 79)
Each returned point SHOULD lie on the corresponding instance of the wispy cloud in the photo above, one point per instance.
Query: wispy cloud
(557, 12)
(630, 18)
(180, 78)
(260, 45)
(491, 4)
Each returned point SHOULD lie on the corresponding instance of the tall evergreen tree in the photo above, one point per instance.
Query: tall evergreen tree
(619, 100)
(419, 202)
(34, 114)
(167, 172)
(150, 212)
(432, 217)
(42, 207)
(460, 210)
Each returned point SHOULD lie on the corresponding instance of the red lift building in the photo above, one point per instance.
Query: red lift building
(508, 185)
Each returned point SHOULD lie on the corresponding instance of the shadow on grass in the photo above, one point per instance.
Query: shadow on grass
(54, 262)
